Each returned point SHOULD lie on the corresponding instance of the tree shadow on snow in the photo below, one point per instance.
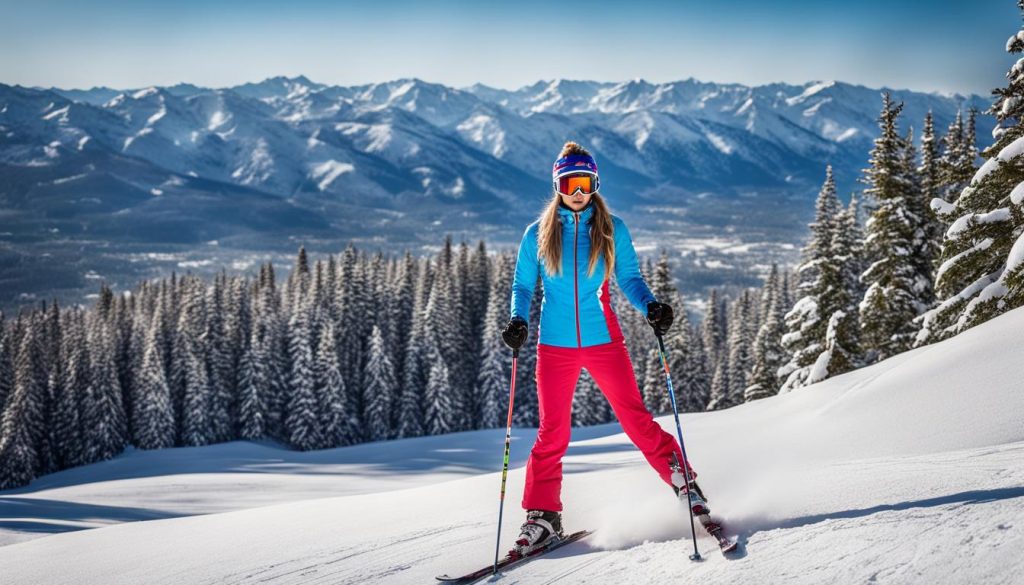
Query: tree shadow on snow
(51, 516)
(968, 498)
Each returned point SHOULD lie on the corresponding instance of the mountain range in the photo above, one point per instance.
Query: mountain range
(270, 165)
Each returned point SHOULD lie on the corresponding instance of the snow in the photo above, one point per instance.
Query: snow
(1008, 153)
(217, 120)
(1015, 258)
(62, 113)
(143, 93)
(328, 171)
(965, 221)
(158, 115)
(1017, 195)
(909, 471)
(719, 143)
(941, 206)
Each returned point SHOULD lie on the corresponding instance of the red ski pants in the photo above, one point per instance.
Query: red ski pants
(558, 369)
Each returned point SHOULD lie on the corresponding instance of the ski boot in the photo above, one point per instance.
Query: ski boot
(539, 530)
(688, 493)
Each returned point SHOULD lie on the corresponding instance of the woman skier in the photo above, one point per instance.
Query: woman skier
(580, 245)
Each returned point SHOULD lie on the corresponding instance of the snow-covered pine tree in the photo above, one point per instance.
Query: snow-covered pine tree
(713, 330)
(956, 163)
(477, 283)
(439, 410)
(22, 430)
(495, 364)
(806, 322)
(443, 328)
(238, 325)
(742, 332)
(381, 389)
(219, 366)
(273, 329)
(190, 357)
(337, 411)
(892, 300)
(929, 175)
(104, 425)
(922, 257)
(153, 417)
(768, 354)
(416, 368)
(685, 362)
(6, 365)
(982, 273)
(398, 327)
(253, 385)
(301, 420)
(67, 441)
(719, 396)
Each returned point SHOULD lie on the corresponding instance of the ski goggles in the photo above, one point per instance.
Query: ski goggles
(585, 183)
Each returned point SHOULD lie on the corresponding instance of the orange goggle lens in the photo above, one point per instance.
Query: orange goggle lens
(569, 184)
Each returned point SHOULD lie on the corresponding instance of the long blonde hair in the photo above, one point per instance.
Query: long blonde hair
(549, 233)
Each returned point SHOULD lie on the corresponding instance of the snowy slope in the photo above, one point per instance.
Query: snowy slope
(910, 471)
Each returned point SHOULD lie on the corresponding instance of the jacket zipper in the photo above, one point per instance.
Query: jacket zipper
(575, 278)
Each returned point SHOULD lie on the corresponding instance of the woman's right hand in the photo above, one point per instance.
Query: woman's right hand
(515, 333)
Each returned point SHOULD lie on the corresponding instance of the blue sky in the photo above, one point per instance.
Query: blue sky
(939, 45)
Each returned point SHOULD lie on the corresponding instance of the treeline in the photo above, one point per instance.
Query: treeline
(349, 349)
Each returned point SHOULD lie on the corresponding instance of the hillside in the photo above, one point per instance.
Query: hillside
(908, 471)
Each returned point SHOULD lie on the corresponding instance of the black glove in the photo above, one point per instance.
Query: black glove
(515, 333)
(659, 316)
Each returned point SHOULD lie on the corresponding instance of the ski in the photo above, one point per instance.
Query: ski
(725, 544)
(510, 562)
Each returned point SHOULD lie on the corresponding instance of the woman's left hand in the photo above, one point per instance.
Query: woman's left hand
(659, 316)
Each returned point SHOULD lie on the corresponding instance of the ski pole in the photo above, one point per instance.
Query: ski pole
(679, 431)
(508, 445)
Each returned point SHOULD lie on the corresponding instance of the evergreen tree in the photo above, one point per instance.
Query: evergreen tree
(153, 424)
(720, 385)
(380, 389)
(253, 386)
(741, 341)
(6, 365)
(219, 366)
(103, 411)
(301, 421)
(768, 354)
(67, 444)
(713, 329)
(21, 429)
(495, 371)
(439, 414)
(892, 299)
(982, 270)
(806, 322)
(416, 368)
(336, 406)
(929, 174)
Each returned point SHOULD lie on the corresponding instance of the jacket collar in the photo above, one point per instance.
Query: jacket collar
(566, 214)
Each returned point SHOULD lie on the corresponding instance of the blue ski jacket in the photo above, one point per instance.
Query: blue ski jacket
(576, 310)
